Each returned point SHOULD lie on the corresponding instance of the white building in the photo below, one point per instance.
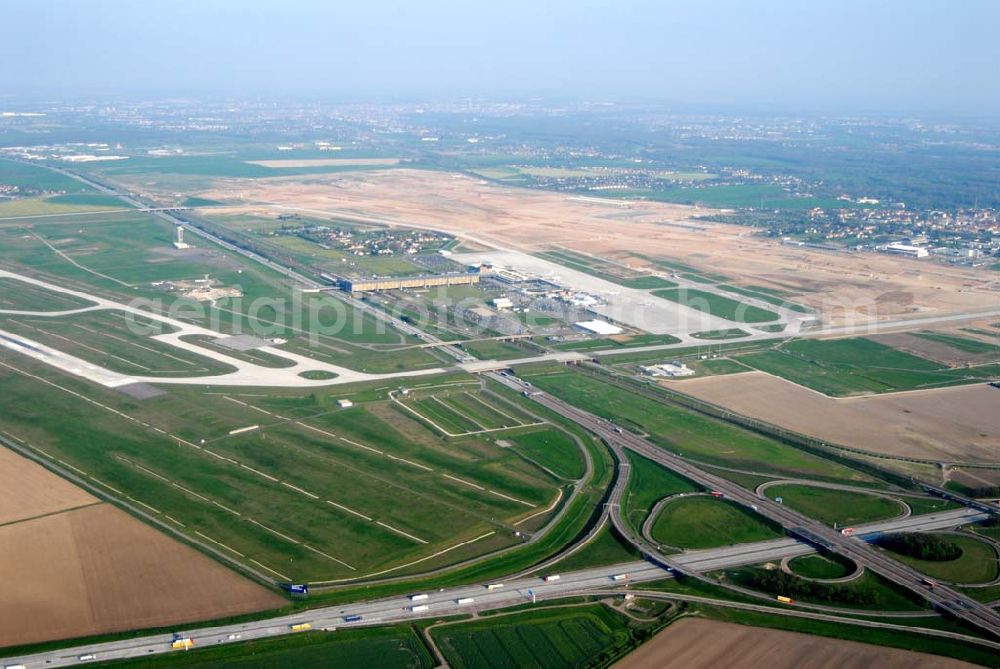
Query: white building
(669, 369)
(907, 250)
(501, 303)
(598, 327)
(345, 404)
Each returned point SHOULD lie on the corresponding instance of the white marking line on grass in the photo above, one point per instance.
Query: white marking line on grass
(455, 411)
(111, 488)
(513, 499)
(221, 457)
(493, 408)
(148, 471)
(214, 541)
(190, 492)
(401, 532)
(464, 482)
(76, 469)
(334, 436)
(174, 520)
(410, 564)
(276, 573)
(316, 550)
(352, 511)
(274, 532)
(259, 473)
(249, 406)
(151, 508)
(298, 489)
(226, 508)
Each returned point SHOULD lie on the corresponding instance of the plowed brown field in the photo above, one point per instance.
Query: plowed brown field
(697, 644)
(958, 424)
(95, 569)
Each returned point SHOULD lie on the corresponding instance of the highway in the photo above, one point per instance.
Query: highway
(445, 602)
(941, 597)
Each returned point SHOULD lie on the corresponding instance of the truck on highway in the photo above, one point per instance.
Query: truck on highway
(300, 627)
(419, 607)
(847, 531)
(465, 600)
(551, 577)
(14, 666)
(494, 586)
(87, 657)
(619, 577)
(716, 493)
(417, 598)
(930, 583)
(352, 619)
(784, 600)
(182, 643)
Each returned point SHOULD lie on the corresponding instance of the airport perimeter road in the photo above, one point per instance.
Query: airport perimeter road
(942, 597)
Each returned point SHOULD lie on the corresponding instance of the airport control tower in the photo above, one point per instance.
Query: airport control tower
(180, 243)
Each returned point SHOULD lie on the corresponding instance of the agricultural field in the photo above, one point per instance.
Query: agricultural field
(696, 643)
(394, 647)
(564, 637)
(953, 424)
(287, 483)
(681, 430)
(717, 305)
(706, 522)
(840, 367)
(840, 508)
(83, 567)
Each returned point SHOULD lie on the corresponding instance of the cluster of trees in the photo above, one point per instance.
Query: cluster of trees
(921, 546)
(789, 585)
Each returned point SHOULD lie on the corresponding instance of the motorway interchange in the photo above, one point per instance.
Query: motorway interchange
(608, 580)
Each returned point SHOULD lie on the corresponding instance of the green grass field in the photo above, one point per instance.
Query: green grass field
(675, 428)
(608, 271)
(551, 449)
(35, 178)
(649, 483)
(818, 566)
(841, 367)
(978, 563)
(18, 295)
(321, 493)
(706, 522)
(554, 638)
(776, 298)
(842, 508)
(731, 333)
(396, 647)
(495, 350)
(717, 305)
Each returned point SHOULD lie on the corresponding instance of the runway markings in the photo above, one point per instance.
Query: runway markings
(276, 573)
(215, 541)
(319, 552)
(400, 532)
(351, 511)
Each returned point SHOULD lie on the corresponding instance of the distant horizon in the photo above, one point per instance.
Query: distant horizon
(897, 57)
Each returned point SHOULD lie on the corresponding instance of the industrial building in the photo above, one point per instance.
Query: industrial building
(906, 250)
(598, 327)
(669, 369)
(397, 283)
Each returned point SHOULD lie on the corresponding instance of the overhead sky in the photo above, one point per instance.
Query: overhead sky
(895, 55)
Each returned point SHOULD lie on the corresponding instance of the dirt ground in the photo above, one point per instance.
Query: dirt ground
(960, 424)
(30, 491)
(95, 569)
(844, 287)
(927, 348)
(694, 644)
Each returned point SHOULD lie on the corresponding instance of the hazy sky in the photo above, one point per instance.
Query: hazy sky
(841, 54)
